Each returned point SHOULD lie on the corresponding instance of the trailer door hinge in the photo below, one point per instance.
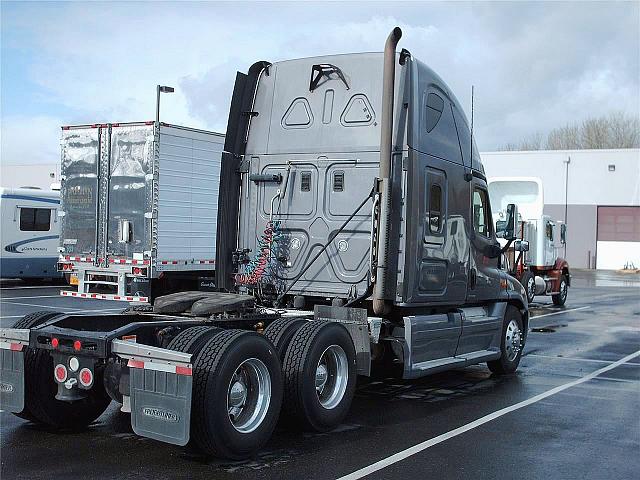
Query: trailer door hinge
(250, 114)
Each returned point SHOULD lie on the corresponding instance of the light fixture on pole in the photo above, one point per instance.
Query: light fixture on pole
(161, 89)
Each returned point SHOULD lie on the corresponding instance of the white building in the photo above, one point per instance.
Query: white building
(40, 175)
(597, 191)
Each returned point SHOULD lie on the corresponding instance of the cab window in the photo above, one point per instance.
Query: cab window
(481, 213)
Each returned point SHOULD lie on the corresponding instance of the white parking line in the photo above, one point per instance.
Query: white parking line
(24, 288)
(397, 457)
(35, 296)
(560, 312)
(576, 359)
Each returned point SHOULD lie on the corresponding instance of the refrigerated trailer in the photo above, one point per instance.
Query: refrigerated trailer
(355, 237)
(139, 209)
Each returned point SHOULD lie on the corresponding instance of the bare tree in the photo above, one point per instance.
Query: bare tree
(617, 130)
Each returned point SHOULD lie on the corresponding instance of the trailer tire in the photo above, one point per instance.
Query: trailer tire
(281, 332)
(511, 344)
(40, 388)
(561, 298)
(319, 352)
(223, 367)
(528, 281)
(29, 321)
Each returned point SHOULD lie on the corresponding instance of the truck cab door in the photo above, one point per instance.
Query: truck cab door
(480, 325)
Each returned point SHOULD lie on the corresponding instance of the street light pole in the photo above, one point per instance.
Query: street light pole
(161, 89)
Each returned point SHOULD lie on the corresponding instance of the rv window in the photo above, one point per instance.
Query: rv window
(435, 209)
(35, 219)
(435, 105)
(481, 219)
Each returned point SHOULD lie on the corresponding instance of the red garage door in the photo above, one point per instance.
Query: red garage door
(618, 237)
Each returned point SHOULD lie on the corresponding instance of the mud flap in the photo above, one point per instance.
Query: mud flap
(11, 380)
(161, 405)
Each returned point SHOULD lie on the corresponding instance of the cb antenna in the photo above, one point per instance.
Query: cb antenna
(468, 176)
(471, 145)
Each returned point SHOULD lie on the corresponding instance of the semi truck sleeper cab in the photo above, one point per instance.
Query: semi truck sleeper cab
(354, 234)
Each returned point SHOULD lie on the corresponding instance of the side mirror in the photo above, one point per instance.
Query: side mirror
(521, 246)
(563, 233)
(509, 226)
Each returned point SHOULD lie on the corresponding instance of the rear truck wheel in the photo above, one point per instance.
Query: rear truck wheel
(237, 394)
(511, 345)
(29, 321)
(192, 339)
(560, 298)
(41, 389)
(320, 375)
(281, 332)
(528, 281)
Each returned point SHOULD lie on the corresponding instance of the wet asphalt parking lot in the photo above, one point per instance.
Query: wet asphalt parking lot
(571, 411)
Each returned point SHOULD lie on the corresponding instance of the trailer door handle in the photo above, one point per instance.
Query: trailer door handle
(473, 278)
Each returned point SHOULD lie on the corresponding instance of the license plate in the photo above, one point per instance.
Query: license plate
(73, 280)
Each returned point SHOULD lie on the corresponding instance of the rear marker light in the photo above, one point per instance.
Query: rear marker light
(85, 377)
(60, 373)
(77, 345)
(55, 342)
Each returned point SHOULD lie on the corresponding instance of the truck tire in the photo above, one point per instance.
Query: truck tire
(40, 388)
(511, 345)
(320, 375)
(281, 332)
(528, 281)
(561, 298)
(29, 321)
(192, 339)
(237, 394)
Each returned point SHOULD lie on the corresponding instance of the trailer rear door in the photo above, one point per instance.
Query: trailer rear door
(79, 192)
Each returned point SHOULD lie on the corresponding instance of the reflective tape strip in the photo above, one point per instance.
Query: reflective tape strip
(170, 262)
(206, 262)
(104, 296)
(77, 259)
(16, 347)
(161, 367)
(126, 261)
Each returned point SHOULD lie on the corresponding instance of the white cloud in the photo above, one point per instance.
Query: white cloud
(30, 139)
(534, 67)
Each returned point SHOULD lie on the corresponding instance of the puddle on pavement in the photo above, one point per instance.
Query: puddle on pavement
(548, 328)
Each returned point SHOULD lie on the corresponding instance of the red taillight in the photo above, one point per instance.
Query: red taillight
(77, 345)
(60, 373)
(136, 270)
(85, 377)
(55, 342)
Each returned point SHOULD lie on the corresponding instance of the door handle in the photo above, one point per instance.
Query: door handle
(473, 278)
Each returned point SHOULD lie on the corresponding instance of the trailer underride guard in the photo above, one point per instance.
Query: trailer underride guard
(354, 236)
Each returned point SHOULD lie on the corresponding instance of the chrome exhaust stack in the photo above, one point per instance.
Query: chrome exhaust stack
(381, 305)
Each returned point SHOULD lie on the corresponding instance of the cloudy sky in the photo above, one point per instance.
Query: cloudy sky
(535, 66)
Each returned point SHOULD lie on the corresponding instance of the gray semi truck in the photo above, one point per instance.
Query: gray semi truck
(354, 236)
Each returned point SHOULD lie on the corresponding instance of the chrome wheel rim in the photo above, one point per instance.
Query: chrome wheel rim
(513, 340)
(249, 395)
(563, 290)
(332, 376)
(531, 287)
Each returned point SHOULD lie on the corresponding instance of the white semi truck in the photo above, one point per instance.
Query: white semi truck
(138, 209)
(354, 233)
(534, 258)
